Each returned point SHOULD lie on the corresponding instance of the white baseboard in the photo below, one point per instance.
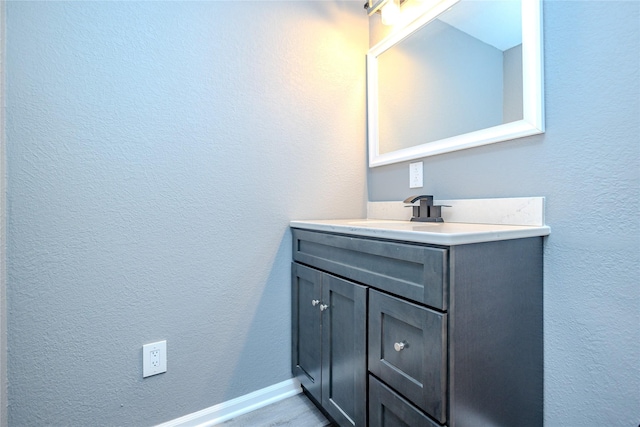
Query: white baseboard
(241, 405)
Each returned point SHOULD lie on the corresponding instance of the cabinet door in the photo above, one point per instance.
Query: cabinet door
(306, 347)
(344, 366)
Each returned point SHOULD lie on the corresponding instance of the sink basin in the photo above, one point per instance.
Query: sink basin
(415, 225)
(426, 226)
(375, 222)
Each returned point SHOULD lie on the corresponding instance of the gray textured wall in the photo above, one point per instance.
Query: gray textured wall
(3, 235)
(156, 152)
(587, 164)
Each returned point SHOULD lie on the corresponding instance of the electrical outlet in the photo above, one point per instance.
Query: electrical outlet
(154, 358)
(415, 175)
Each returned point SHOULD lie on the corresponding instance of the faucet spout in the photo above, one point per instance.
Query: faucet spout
(426, 211)
(413, 199)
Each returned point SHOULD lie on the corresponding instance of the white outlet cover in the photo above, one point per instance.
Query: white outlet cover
(415, 175)
(150, 368)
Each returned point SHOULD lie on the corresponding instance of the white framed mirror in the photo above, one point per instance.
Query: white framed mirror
(464, 73)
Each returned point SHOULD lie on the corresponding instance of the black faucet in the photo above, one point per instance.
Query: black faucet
(426, 212)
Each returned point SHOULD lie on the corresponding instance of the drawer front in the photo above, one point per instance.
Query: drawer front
(388, 408)
(415, 272)
(408, 351)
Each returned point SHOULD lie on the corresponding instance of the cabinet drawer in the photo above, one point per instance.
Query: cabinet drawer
(415, 272)
(408, 351)
(387, 408)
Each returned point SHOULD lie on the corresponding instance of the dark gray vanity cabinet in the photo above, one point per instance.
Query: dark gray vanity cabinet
(329, 342)
(453, 334)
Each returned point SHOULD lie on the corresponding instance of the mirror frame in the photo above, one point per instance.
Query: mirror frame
(532, 81)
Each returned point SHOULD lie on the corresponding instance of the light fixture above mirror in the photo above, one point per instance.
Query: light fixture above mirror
(415, 107)
(389, 10)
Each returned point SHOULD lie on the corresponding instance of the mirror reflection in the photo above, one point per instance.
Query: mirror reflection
(460, 73)
(455, 79)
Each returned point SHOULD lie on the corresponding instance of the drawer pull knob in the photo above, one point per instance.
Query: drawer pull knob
(323, 307)
(399, 346)
(315, 302)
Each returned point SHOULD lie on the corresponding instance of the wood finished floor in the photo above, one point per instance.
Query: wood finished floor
(296, 411)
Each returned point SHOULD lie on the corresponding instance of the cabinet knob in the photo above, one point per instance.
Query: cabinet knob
(399, 346)
(315, 302)
(323, 307)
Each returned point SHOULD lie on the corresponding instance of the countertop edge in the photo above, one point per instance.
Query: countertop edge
(448, 239)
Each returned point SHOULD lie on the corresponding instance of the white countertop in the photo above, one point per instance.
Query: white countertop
(441, 233)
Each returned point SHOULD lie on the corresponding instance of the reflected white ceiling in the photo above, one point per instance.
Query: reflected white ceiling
(495, 22)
